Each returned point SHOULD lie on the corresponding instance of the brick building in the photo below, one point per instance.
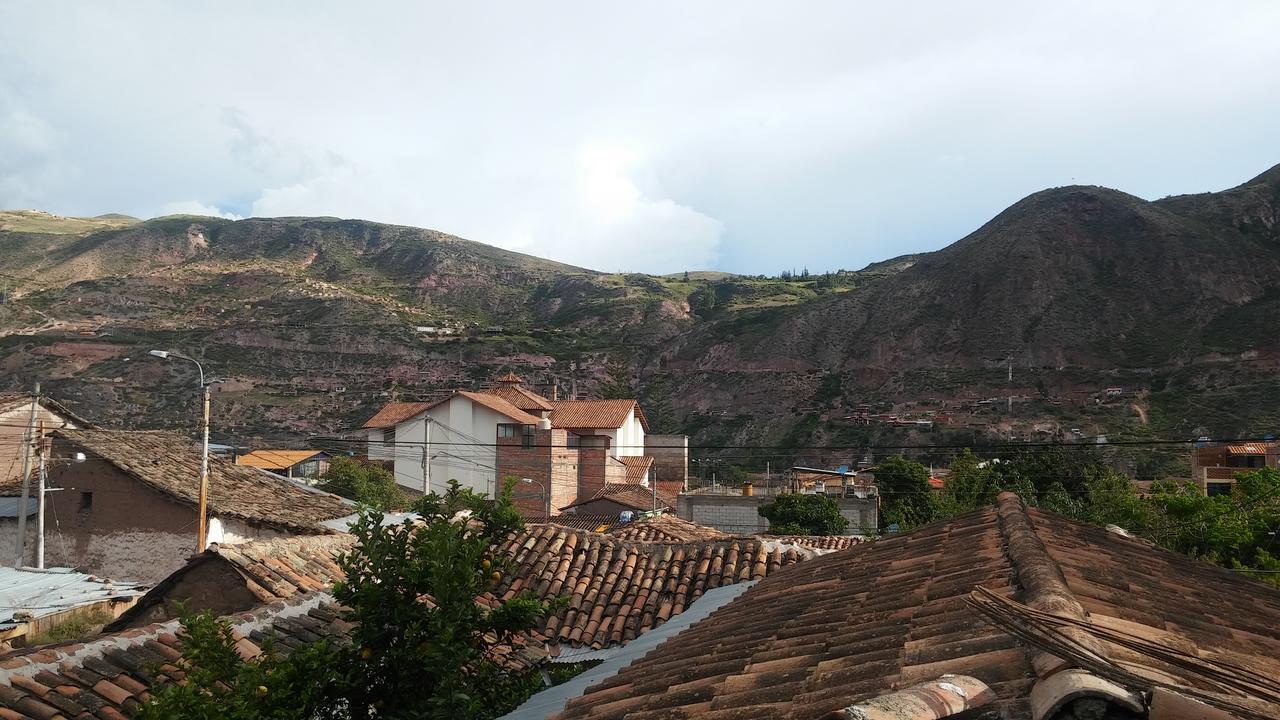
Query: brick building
(1214, 465)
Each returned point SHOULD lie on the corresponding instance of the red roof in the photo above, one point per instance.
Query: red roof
(526, 400)
(637, 467)
(635, 497)
(594, 414)
(394, 413)
(1252, 448)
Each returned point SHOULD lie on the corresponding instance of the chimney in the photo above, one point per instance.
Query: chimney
(555, 391)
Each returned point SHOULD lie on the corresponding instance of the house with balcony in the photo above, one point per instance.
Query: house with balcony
(567, 451)
(1214, 465)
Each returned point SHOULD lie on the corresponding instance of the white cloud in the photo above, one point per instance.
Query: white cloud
(191, 207)
(659, 136)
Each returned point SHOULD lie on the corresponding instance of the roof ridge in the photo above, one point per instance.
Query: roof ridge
(1043, 586)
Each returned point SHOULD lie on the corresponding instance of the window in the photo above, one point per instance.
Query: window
(528, 436)
(507, 430)
(389, 436)
(1218, 488)
(86, 501)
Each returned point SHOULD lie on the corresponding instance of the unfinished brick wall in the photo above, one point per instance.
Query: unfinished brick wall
(549, 461)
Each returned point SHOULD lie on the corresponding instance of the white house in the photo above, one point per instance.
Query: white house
(457, 437)
(451, 439)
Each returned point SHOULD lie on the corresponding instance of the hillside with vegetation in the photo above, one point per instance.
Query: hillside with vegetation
(1113, 315)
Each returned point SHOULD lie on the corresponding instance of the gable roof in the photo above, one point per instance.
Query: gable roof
(637, 467)
(10, 400)
(631, 496)
(856, 624)
(619, 589)
(394, 413)
(594, 414)
(170, 463)
(666, 528)
(520, 397)
(268, 459)
(498, 405)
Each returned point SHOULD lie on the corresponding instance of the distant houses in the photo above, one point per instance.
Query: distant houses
(563, 452)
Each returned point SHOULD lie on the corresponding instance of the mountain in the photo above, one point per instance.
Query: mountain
(1073, 290)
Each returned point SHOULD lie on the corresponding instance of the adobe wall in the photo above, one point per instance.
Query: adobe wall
(104, 522)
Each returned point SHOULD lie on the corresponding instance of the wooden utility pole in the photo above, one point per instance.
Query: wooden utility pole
(27, 440)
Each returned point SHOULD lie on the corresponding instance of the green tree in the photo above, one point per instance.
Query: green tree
(797, 514)
(420, 643)
(436, 652)
(904, 493)
(969, 487)
(366, 483)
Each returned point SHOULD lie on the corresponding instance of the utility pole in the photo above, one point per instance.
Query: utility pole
(27, 439)
(42, 477)
(426, 459)
(204, 472)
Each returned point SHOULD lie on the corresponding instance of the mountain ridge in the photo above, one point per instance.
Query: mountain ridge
(1076, 287)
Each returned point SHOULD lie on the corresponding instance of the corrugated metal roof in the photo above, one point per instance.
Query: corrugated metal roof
(270, 459)
(45, 592)
(9, 506)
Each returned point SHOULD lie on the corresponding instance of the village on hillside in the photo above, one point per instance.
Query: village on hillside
(671, 591)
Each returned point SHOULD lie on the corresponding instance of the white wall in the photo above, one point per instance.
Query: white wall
(376, 450)
(463, 438)
(628, 440)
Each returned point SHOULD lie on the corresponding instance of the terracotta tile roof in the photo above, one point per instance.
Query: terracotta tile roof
(618, 589)
(637, 467)
(170, 463)
(593, 522)
(855, 624)
(594, 414)
(500, 406)
(526, 400)
(271, 459)
(109, 676)
(1252, 448)
(271, 570)
(394, 413)
(819, 542)
(510, 377)
(634, 497)
(666, 528)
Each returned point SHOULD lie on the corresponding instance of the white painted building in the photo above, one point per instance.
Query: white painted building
(461, 445)
(464, 429)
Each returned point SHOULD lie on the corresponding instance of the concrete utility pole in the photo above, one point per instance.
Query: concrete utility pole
(426, 459)
(42, 477)
(27, 440)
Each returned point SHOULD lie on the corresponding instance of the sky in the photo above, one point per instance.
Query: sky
(749, 137)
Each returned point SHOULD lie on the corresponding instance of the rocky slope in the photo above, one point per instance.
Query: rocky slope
(313, 320)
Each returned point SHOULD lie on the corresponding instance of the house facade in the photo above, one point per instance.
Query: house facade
(1214, 465)
(566, 450)
(127, 509)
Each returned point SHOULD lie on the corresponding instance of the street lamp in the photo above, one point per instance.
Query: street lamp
(531, 481)
(204, 455)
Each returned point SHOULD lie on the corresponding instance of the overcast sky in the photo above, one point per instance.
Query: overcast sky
(741, 136)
